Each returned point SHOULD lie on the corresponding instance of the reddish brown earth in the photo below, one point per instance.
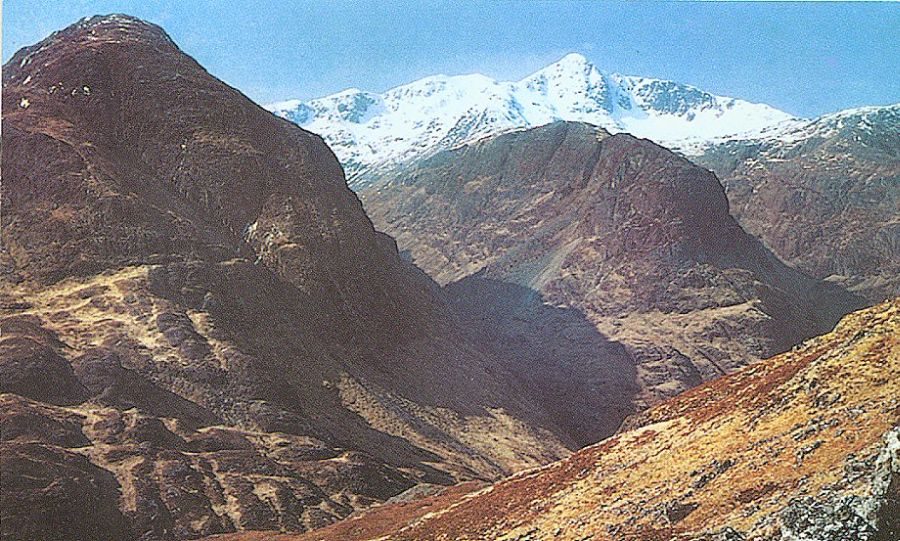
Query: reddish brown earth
(609, 265)
(826, 199)
(201, 330)
(804, 445)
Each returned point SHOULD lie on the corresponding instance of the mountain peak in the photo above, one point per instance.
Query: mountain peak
(571, 65)
(438, 112)
(105, 26)
(115, 28)
(126, 164)
(573, 59)
(120, 20)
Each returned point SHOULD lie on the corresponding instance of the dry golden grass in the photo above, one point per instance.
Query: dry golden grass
(732, 452)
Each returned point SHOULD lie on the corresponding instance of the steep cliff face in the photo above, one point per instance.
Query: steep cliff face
(823, 195)
(803, 445)
(636, 240)
(202, 331)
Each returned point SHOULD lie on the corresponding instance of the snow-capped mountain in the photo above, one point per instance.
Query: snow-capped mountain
(856, 123)
(368, 130)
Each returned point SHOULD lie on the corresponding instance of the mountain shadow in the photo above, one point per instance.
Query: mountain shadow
(586, 381)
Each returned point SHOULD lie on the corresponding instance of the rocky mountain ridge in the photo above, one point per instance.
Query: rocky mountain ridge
(824, 195)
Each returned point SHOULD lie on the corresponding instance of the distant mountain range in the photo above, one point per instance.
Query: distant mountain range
(368, 130)
(821, 193)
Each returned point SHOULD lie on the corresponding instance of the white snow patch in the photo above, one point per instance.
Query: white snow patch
(369, 130)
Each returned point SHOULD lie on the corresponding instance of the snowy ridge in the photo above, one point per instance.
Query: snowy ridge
(861, 118)
(368, 130)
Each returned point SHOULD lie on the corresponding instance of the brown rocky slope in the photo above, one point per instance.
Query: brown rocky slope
(824, 196)
(608, 264)
(804, 445)
(201, 330)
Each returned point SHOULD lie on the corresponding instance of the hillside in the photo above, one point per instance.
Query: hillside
(608, 264)
(201, 330)
(823, 195)
(800, 446)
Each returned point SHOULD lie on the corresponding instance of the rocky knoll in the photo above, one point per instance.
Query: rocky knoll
(804, 445)
(550, 233)
(824, 196)
(201, 330)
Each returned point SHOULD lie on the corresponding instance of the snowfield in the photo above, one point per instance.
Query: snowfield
(368, 131)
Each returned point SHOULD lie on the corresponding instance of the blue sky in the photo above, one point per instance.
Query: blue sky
(806, 59)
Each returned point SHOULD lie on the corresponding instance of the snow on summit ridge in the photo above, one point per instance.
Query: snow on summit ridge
(368, 131)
